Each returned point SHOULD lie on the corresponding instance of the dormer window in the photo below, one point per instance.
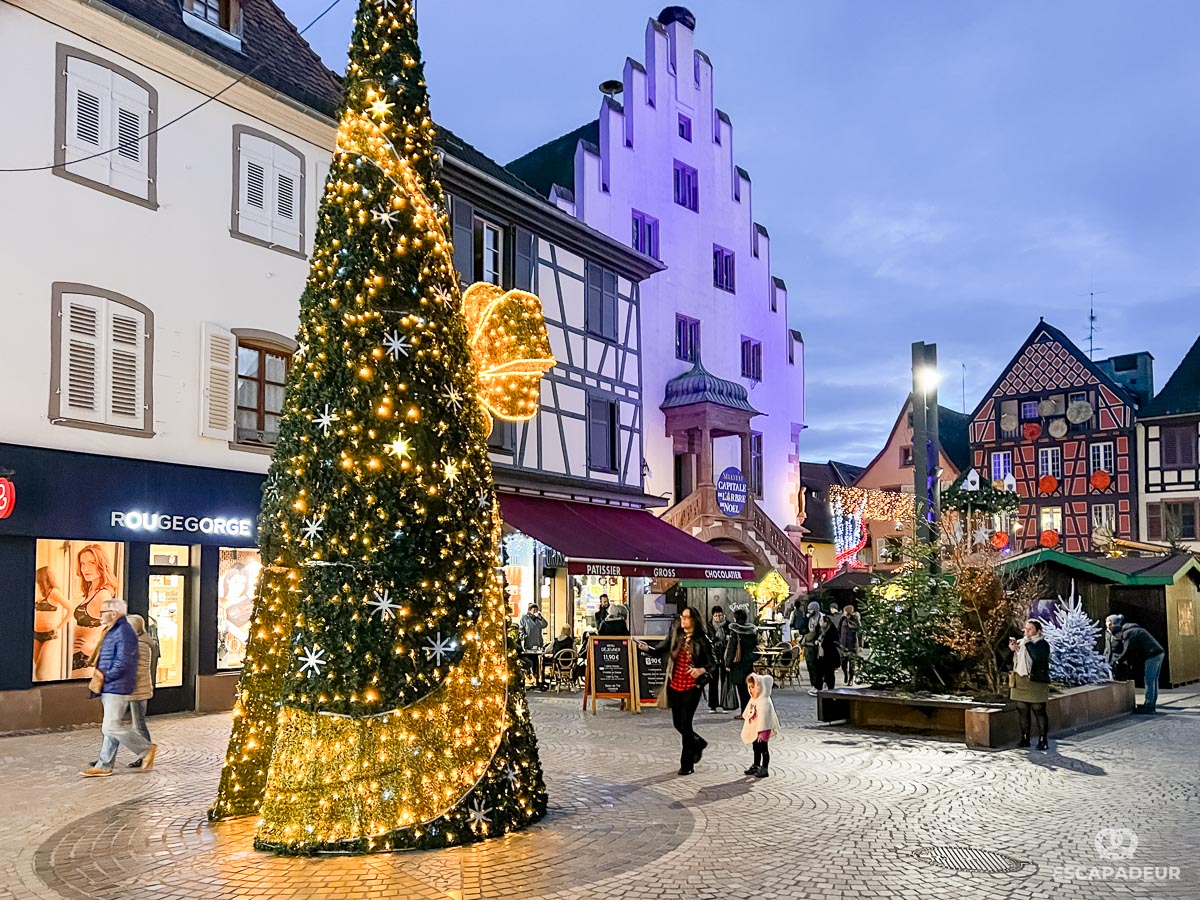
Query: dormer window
(220, 20)
(685, 127)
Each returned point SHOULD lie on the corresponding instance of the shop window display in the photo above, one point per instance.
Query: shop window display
(238, 582)
(73, 579)
(166, 621)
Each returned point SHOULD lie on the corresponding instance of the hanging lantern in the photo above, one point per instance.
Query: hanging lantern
(1032, 431)
(1101, 480)
(1049, 539)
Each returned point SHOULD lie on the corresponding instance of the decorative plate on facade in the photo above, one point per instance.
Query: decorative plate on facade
(1101, 480)
(1008, 422)
(1047, 484)
(1058, 428)
(1079, 412)
(1032, 431)
(1047, 407)
(1000, 540)
(1049, 539)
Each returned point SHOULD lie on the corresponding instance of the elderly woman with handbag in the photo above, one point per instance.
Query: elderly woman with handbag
(689, 664)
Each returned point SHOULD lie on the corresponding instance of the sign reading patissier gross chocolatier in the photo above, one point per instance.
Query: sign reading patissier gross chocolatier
(656, 570)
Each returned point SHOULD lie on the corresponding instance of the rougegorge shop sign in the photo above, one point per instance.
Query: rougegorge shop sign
(656, 570)
(139, 520)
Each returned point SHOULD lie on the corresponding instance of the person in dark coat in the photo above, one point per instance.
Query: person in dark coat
(829, 660)
(1113, 646)
(809, 629)
(616, 623)
(718, 635)
(117, 659)
(1139, 652)
(689, 662)
(740, 653)
(1031, 682)
(602, 612)
(848, 642)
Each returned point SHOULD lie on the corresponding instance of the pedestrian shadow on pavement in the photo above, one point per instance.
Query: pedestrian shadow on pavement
(731, 790)
(1055, 760)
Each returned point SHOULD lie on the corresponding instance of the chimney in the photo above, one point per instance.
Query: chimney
(1134, 372)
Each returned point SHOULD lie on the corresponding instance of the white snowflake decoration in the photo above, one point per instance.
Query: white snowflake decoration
(982, 535)
(300, 351)
(443, 296)
(480, 814)
(325, 420)
(313, 528)
(385, 216)
(440, 647)
(313, 660)
(511, 773)
(397, 344)
(384, 605)
(453, 398)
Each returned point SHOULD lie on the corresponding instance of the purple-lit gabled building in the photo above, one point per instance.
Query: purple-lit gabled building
(723, 373)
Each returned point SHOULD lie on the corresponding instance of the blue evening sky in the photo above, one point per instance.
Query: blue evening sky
(930, 170)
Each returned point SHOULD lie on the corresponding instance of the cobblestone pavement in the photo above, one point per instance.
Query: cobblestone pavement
(844, 815)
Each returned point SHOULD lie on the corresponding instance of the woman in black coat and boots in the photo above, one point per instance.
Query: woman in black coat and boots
(740, 653)
(829, 659)
(689, 662)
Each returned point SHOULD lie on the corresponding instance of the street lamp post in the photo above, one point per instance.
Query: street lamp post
(926, 480)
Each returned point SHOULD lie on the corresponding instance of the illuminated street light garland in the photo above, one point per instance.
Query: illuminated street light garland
(853, 507)
(381, 706)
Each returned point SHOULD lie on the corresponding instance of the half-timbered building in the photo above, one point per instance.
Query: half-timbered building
(1063, 428)
(1169, 445)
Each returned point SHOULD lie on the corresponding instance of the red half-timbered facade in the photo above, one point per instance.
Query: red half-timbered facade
(1064, 430)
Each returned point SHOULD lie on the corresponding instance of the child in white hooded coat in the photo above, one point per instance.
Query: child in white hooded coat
(760, 723)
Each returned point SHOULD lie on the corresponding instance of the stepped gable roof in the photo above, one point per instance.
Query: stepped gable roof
(273, 51)
(1181, 394)
(553, 163)
(698, 385)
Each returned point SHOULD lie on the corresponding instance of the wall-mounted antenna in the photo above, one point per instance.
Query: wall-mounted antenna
(1092, 327)
(964, 387)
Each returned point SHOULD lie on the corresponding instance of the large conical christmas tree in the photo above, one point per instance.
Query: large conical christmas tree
(380, 706)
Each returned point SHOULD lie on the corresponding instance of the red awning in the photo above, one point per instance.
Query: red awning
(609, 540)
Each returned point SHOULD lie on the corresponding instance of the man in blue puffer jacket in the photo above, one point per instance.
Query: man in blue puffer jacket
(117, 658)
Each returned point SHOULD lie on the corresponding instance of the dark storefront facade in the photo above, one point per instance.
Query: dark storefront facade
(177, 543)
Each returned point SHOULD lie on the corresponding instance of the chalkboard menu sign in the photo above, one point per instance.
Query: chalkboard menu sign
(609, 672)
(651, 675)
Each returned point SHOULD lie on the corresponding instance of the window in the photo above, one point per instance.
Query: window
(1177, 446)
(1050, 461)
(685, 127)
(489, 246)
(602, 434)
(1029, 410)
(268, 198)
(1010, 426)
(601, 312)
(261, 373)
(1104, 516)
(645, 234)
(102, 360)
(1001, 465)
(215, 12)
(220, 20)
(756, 463)
(723, 276)
(906, 457)
(1172, 521)
(1102, 457)
(1079, 397)
(1050, 519)
(242, 375)
(105, 121)
(687, 186)
(751, 359)
(687, 338)
(503, 438)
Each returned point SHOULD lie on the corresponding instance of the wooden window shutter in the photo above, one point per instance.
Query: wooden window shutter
(608, 309)
(286, 226)
(218, 362)
(524, 255)
(462, 216)
(599, 433)
(89, 125)
(130, 120)
(594, 289)
(256, 187)
(82, 358)
(126, 330)
(1154, 522)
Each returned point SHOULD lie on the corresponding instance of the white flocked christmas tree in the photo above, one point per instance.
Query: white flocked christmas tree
(1072, 637)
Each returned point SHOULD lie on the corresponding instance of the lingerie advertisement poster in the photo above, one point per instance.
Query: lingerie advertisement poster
(73, 579)
(238, 575)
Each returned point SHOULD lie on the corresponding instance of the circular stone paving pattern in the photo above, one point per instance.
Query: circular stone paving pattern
(165, 846)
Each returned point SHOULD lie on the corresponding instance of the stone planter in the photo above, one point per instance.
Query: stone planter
(977, 724)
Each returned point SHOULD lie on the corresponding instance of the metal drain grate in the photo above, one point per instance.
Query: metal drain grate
(969, 859)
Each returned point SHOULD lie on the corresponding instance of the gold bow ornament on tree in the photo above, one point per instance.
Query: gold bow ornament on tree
(509, 349)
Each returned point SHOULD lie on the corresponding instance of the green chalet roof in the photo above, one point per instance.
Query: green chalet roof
(1129, 570)
(554, 162)
(698, 385)
(1180, 396)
